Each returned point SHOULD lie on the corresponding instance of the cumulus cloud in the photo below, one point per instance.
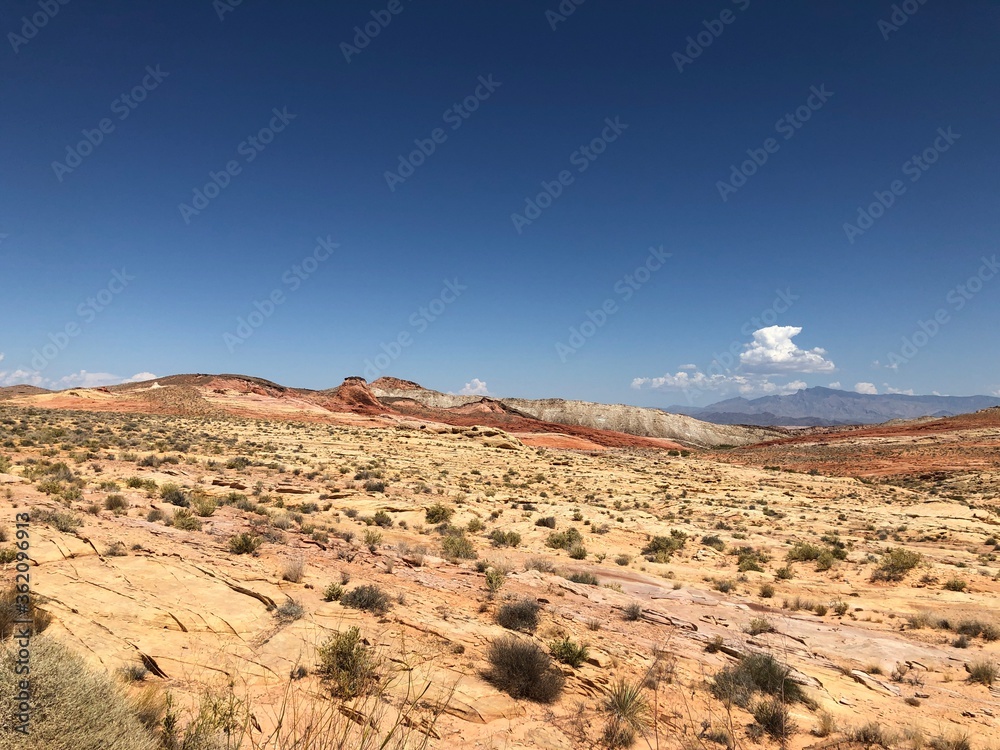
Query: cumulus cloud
(81, 379)
(835, 384)
(772, 351)
(688, 367)
(475, 387)
(745, 385)
(890, 389)
(140, 377)
(867, 388)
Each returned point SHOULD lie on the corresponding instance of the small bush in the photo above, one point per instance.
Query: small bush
(772, 716)
(633, 611)
(564, 539)
(714, 541)
(661, 548)
(520, 615)
(293, 570)
(548, 522)
(383, 519)
(522, 669)
(984, 672)
(767, 590)
(895, 564)
(116, 504)
(757, 672)
(374, 485)
(568, 652)
(955, 584)
(623, 560)
(116, 550)
(173, 494)
(333, 592)
(584, 577)
(505, 538)
(369, 598)
(290, 610)
(578, 552)
(725, 585)
(540, 564)
(439, 513)
(203, 505)
(67, 523)
(759, 625)
(185, 520)
(871, 735)
(347, 665)
(495, 579)
(458, 547)
(244, 544)
(372, 539)
(628, 713)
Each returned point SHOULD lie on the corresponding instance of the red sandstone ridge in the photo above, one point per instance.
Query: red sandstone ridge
(395, 384)
(353, 395)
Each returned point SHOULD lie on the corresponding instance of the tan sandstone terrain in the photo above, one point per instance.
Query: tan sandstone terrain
(205, 547)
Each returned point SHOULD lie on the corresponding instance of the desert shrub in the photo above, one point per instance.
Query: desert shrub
(333, 592)
(633, 611)
(757, 672)
(173, 494)
(714, 541)
(244, 543)
(566, 651)
(383, 519)
(290, 609)
(77, 707)
(293, 570)
(154, 515)
(475, 525)
(115, 503)
(583, 577)
(750, 559)
(895, 564)
(984, 672)
(5, 464)
(374, 485)
(7, 555)
(203, 505)
(564, 539)
(771, 715)
(547, 521)
(622, 560)
(522, 669)
(134, 482)
(628, 713)
(185, 520)
(540, 564)
(955, 584)
(64, 522)
(505, 538)
(841, 607)
(784, 573)
(661, 548)
(724, 585)
(578, 552)
(239, 462)
(495, 579)
(871, 735)
(370, 598)
(758, 626)
(116, 550)
(347, 665)
(372, 539)
(133, 672)
(458, 547)
(825, 561)
(804, 552)
(520, 615)
(439, 513)
(767, 590)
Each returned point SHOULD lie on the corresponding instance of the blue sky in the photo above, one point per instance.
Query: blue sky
(631, 202)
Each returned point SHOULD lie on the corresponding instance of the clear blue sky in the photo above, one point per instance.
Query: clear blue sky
(439, 238)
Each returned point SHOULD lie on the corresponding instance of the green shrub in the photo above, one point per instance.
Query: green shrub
(244, 544)
(7, 555)
(633, 611)
(369, 598)
(564, 539)
(757, 672)
(185, 520)
(767, 590)
(64, 522)
(895, 564)
(984, 672)
(771, 714)
(203, 505)
(333, 592)
(505, 538)
(956, 584)
(759, 625)
(372, 539)
(520, 615)
(290, 610)
(439, 513)
(495, 579)
(623, 560)
(548, 522)
(628, 713)
(714, 541)
(115, 503)
(661, 548)
(583, 577)
(173, 494)
(458, 547)
(568, 652)
(522, 669)
(347, 665)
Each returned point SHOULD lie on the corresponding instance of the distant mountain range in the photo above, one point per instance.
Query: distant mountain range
(827, 407)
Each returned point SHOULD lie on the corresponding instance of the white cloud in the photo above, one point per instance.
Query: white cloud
(867, 388)
(890, 389)
(772, 351)
(745, 385)
(81, 379)
(140, 377)
(835, 384)
(688, 367)
(475, 387)
(996, 393)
